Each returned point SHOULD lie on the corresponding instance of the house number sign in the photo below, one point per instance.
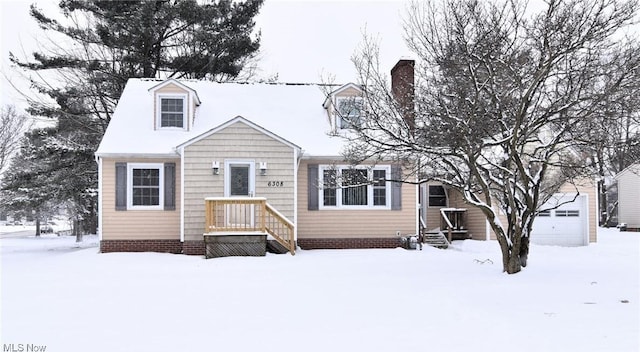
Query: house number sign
(275, 184)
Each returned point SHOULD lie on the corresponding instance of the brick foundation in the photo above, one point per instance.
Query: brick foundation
(161, 246)
(193, 248)
(348, 243)
(198, 247)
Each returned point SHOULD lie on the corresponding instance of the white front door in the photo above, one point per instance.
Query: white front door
(240, 182)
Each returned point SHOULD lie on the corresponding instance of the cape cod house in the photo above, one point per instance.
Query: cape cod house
(183, 162)
(191, 166)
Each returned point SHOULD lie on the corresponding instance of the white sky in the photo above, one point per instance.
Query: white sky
(302, 41)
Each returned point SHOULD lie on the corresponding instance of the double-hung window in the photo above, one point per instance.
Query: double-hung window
(172, 111)
(349, 112)
(329, 189)
(355, 188)
(145, 186)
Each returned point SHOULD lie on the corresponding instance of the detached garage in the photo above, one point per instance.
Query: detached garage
(570, 219)
(566, 225)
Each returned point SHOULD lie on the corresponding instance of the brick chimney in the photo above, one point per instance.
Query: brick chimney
(402, 87)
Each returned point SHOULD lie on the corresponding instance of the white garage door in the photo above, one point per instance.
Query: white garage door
(563, 226)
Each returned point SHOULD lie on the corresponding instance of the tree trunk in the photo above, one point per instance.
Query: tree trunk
(513, 265)
(37, 225)
(514, 255)
(77, 231)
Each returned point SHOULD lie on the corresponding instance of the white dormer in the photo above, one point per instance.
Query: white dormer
(174, 105)
(344, 107)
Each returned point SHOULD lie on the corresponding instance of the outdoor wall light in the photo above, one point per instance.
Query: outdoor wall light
(263, 168)
(215, 166)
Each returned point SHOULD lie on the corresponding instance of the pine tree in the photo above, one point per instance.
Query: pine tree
(108, 43)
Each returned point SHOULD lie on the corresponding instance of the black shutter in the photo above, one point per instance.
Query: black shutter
(312, 186)
(396, 187)
(170, 186)
(121, 186)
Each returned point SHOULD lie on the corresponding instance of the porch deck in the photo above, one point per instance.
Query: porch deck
(241, 225)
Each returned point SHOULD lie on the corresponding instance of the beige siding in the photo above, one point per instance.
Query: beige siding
(136, 224)
(237, 141)
(353, 223)
(629, 197)
(475, 220)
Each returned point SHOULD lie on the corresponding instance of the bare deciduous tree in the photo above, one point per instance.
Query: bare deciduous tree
(12, 126)
(500, 90)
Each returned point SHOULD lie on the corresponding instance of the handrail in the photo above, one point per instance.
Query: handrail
(281, 229)
(446, 218)
(248, 214)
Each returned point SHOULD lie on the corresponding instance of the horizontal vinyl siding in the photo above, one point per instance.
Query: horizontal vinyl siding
(433, 217)
(353, 223)
(475, 220)
(136, 224)
(238, 141)
(629, 197)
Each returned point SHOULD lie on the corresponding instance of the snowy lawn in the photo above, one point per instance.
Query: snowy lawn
(68, 298)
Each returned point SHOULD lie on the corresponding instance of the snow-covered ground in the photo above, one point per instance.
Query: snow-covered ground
(67, 297)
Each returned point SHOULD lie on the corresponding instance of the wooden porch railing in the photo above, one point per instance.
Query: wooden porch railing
(453, 221)
(248, 214)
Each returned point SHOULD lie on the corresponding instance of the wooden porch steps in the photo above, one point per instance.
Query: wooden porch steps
(276, 247)
(435, 239)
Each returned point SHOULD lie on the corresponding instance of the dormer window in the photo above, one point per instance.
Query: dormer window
(172, 111)
(348, 112)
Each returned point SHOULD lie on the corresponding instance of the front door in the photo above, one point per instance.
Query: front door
(239, 178)
(240, 182)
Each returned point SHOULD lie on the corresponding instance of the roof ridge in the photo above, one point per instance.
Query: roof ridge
(148, 79)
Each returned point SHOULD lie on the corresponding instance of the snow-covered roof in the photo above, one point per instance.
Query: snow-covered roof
(293, 112)
(179, 84)
(633, 168)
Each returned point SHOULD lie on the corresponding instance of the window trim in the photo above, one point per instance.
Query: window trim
(446, 196)
(227, 175)
(370, 188)
(185, 119)
(130, 168)
(340, 117)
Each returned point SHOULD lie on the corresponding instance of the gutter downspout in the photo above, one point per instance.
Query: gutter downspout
(297, 158)
(99, 162)
(180, 152)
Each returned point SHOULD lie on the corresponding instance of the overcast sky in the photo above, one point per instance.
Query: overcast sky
(302, 41)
